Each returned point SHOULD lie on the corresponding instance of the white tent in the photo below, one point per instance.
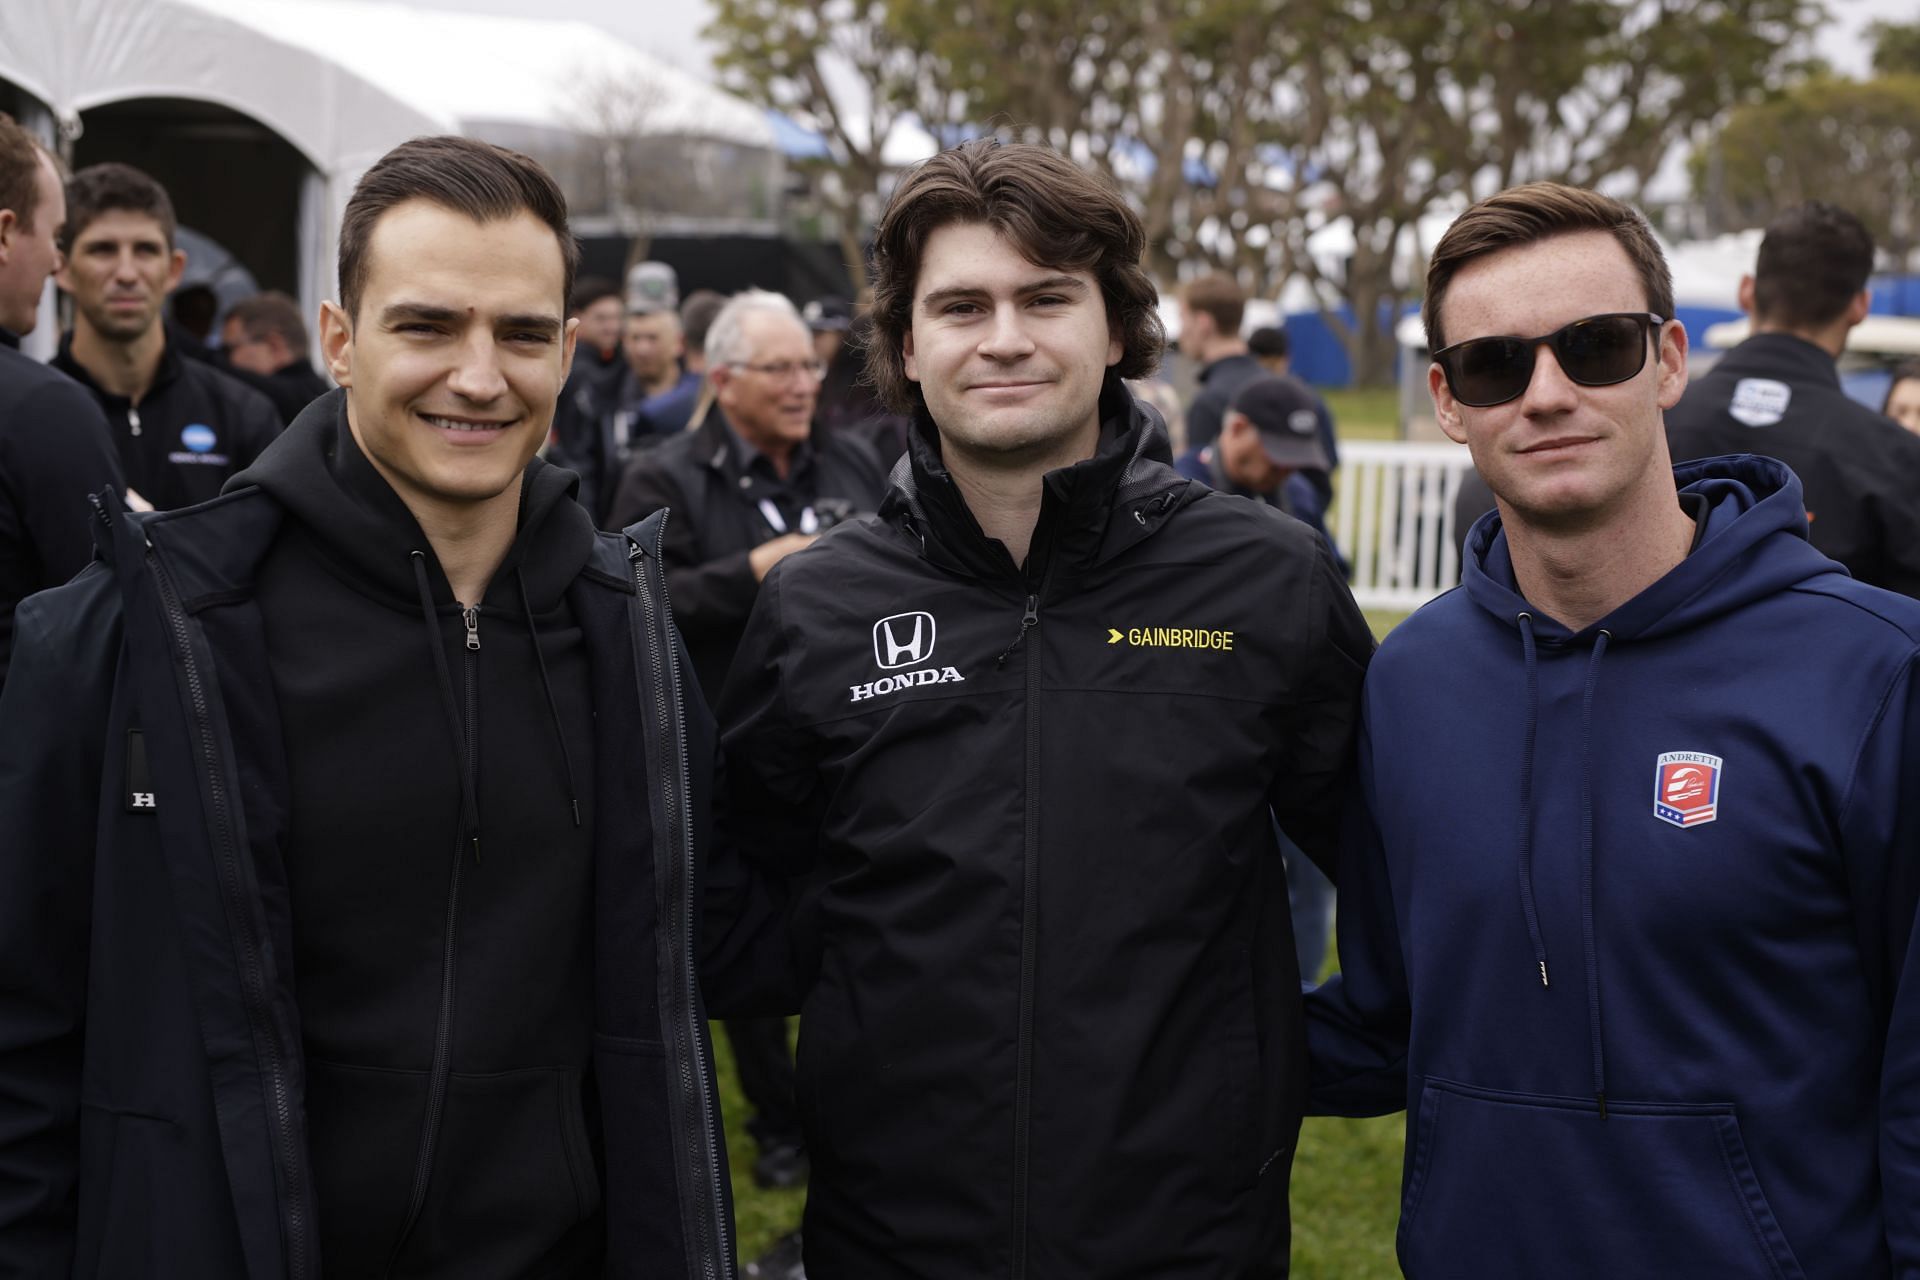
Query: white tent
(341, 83)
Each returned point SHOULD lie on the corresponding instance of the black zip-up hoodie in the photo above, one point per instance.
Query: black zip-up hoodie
(408, 738)
(1052, 1021)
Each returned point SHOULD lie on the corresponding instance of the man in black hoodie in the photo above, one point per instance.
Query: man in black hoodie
(1021, 738)
(381, 961)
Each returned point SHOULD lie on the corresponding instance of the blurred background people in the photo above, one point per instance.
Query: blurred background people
(1903, 396)
(1211, 309)
(265, 343)
(182, 427)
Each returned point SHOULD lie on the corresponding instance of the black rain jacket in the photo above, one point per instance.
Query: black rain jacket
(151, 1074)
(1779, 395)
(1052, 1019)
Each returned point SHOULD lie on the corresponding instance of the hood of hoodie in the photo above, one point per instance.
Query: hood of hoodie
(1754, 544)
(1132, 466)
(317, 471)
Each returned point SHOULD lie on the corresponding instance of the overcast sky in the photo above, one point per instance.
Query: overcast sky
(671, 28)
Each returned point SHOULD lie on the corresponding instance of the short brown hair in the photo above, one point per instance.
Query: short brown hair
(1814, 260)
(268, 313)
(20, 154)
(1540, 211)
(1220, 296)
(114, 188)
(1058, 215)
(485, 182)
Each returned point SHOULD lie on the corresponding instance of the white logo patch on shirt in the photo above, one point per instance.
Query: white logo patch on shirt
(1760, 402)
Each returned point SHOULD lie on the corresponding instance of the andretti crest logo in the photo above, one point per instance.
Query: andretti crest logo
(903, 640)
(1686, 788)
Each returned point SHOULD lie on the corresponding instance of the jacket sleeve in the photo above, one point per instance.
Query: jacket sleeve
(710, 592)
(1880, 847)
(768, 821)
(1899, 518)
(72, 457)
(1317, 774)
(1357, 1020)
(52, 718)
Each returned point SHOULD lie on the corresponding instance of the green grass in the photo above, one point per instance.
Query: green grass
(1367, 413)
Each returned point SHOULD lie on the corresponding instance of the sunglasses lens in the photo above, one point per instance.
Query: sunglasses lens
(1490, 371)
(1596, 352)
(1602, 351)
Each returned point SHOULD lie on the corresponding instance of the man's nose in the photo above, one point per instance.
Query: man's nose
(1007, 337)
(1549, 390)
(476, 374)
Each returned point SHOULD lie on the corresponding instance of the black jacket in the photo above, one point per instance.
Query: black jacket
(54, 452)
(1218, 382)
(580, 442)
(1052, 1022)
(152, 1049)
(196, 427)
(1780, 396)
(697, 475)
(291, 387)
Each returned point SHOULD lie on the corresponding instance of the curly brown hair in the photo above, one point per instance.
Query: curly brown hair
(1056, 213)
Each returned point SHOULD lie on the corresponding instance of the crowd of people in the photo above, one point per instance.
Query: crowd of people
(401, 760)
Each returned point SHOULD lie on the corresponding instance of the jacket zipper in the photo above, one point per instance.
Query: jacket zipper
(694, 1098)
(253, 985)
(443, 1024)
(1029, 945)
(133, 419)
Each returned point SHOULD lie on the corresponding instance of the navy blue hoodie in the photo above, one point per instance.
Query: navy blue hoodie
(1626, 920)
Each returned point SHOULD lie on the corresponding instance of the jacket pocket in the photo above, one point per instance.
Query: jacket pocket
(512, 1173)
(1513, 1184)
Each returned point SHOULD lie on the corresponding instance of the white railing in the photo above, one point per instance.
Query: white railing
(1393, 518)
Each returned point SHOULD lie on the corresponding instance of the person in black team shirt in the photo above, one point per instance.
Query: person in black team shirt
(265, 343)
(182, 427)
(1778, 394)
(351, 825)
(54, 447)
(1019, 741)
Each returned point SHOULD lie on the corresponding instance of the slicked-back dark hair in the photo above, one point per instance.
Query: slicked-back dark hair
(485, 182)
(1814, 260)
(113, 187)
(20, 154)
(1057, 214)
(1539, 211)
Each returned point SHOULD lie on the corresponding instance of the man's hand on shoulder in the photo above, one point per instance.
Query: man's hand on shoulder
(768, 554)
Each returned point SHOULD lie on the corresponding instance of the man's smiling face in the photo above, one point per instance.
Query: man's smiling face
(454, 362)
(1009, 354)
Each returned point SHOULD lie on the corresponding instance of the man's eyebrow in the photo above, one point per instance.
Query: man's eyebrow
(401, 312)
(1046, 284)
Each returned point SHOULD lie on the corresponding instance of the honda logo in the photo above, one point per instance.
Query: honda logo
(903, 640)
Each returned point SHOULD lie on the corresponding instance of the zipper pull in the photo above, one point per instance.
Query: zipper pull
(472, 616)
(133, 419)
(1027, 622)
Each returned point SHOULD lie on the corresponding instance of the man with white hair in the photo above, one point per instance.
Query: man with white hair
(754, 483)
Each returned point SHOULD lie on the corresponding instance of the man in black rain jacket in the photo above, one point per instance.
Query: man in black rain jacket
(1019, 741)
(351, 825)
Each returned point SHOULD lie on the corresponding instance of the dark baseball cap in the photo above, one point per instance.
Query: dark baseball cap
(1287, 417)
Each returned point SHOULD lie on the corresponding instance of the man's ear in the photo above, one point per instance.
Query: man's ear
(9, 225)
(175, 269)
(336, 342)
(569, 342)
(1672, 355)
(1857, 309)
(1745, 295)
(906, 357)
(1446, 411)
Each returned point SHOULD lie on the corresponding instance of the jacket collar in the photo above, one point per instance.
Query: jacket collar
(166, 372)
(1131, 469)
(1782, 355)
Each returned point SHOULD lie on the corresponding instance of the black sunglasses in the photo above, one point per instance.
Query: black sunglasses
(1595, 352)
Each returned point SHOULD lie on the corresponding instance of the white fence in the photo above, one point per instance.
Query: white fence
(1393, 518)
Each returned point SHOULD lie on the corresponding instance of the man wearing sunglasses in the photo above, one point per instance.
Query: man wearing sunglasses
(1626, 911)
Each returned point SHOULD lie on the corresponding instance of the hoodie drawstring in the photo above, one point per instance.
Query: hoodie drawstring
(1526, 796)
(1590, 951)
(1586, 872)
(469, 803)
(546, 687)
